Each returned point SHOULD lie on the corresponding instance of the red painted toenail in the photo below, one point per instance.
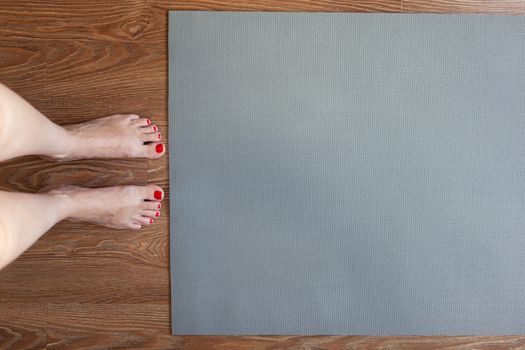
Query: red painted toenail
(157, 214)
(150, 221)
(158, 206)
(157, 195)
(159, 148)
(158, 136)
(155, 128)
(148, 121)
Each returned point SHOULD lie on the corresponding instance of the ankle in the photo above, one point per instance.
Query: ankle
(68, 146)
(65, 199)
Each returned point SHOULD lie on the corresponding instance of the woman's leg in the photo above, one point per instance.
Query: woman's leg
(24, 217)
(26, 131)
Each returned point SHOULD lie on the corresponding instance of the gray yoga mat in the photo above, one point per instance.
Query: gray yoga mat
(347, 173)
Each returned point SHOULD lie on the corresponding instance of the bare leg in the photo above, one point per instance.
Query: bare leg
(25, 217)
(26, 131)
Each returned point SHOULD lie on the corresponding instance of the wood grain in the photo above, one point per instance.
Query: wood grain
(143, 20)
(23, 326)
(86, 287)
(23, 66)
(511, 7)
(37, 173)
(94, 69)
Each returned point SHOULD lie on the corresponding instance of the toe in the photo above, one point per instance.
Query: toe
(144, 221)
(154, 150)
(135, 226)
(151, 206)
(149, 129)
(140, 122)
(153, 193)
(151, 137)
(151, 213)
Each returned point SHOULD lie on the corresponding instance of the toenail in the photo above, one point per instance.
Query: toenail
(157, 195)
(148, 121)
(159, 148)
(158, 136)
(150, 221)
(157, 214)
(158, 206)
(155, 128)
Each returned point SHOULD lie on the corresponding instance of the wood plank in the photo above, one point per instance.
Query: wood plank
(513, 7)
(158, 174)
(109, 70)
(285, 5)
(63, 19)
(81, 326)
(91, 266)
(31, 174)
(143, 20)
(23, 326)
(350, 342)
(23, 66)
(71, 109)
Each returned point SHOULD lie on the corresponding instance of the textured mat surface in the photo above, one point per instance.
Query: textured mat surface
(347, 173)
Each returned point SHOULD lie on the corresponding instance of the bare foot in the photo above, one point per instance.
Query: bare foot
(120, 207)
(116, 136)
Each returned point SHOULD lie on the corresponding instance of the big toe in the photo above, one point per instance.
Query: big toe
(153, 193)
(154, 150)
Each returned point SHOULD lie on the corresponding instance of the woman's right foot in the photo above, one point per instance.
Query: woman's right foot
(116, 136)
(120, 207)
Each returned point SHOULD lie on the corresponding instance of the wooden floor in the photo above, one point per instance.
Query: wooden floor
(85, 287)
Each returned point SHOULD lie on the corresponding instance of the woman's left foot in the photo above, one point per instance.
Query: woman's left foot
(116, 136)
